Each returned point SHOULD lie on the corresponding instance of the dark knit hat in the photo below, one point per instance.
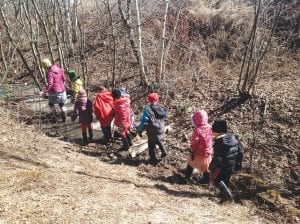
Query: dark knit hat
(116, 93)
(219, 126)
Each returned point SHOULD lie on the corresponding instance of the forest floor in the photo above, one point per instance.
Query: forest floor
(46, 180)
(49, 177)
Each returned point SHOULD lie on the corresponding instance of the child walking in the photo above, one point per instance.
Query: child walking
(84, 108)
(153, 121)
(228, 156)
(103, 109)
(122, 117)
(76, 84)
(201, 147)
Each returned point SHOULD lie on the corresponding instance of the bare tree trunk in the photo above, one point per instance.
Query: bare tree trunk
(136, 48)
(249, 46)
(264, 51)
(140, 50)
(123, 56)
(42, 20)
(159, 68)
(2, 54)
(168, 43)
(74, 20)
(58, 41)
(7, 68)
(83, 59)
(33, 38)
(256, 47)
(113, 44)
(19, 51)
(127, 22)
(66, 7)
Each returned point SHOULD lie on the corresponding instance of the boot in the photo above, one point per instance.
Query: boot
(53, 113)
(205, 179)
(125, 145)
(106, 135)
(188, 171)
(91, 135)
(152, 159)
(128, 137)
(63, 116)
(225, 192)
(162, 149)
(84, 138)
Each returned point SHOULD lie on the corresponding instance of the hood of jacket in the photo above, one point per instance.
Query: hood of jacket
(55, 69)
(105, 97)
(200, 118)
(159, 111)
(230, 140)
(123, 99)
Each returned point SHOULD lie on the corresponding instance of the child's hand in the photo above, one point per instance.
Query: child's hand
(73, 117)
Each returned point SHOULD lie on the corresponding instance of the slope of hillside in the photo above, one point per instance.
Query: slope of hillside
(45, 180)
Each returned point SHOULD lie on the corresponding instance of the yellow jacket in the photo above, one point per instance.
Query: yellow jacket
(76, 86)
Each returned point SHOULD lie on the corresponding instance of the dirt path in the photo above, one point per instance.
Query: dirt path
(45, 180)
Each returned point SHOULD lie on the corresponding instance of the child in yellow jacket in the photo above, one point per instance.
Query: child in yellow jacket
(76, 83)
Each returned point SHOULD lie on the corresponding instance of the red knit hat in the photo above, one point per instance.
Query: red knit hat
(153, 98)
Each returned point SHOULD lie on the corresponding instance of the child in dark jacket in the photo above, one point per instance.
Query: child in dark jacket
(84, 108)
(153, 121)
(228, 156)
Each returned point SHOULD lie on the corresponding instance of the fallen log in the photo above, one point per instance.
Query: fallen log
(139, 146)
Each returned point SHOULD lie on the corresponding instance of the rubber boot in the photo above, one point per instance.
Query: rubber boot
(53, 113)
(106, 135)
(152, 157)
(128, 137)
(84, 138)
(225, 192)
(63, 116)
(125, 145)
(188, 171)
(205, 179)
(91, 135)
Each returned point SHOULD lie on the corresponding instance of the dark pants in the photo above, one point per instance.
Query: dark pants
(224, 175)
(151, 148)
(107, 134)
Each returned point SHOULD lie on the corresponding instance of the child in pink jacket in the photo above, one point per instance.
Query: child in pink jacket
(201, 147)
(122, 117)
